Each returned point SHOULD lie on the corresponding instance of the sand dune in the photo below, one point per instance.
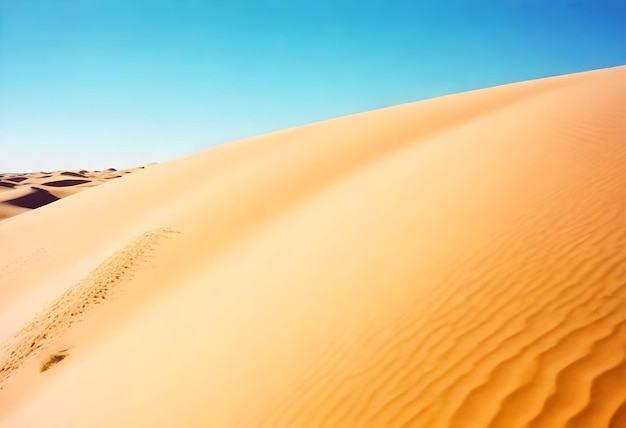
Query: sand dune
(456, 262)
(34, 190)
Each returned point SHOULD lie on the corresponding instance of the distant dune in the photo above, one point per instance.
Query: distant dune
(456, 262)
(20, 193)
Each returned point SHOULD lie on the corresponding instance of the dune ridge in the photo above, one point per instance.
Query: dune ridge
(456, 262)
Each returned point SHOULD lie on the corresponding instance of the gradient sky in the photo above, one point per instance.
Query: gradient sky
(120, 83)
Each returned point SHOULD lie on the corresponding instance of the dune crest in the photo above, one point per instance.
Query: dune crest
(456, 262)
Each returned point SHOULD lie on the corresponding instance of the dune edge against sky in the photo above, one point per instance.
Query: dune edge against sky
(431, 264)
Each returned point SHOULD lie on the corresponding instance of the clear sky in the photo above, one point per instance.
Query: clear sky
(120, 83)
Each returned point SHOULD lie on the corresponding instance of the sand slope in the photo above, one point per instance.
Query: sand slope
(22, 192)
(457, 262)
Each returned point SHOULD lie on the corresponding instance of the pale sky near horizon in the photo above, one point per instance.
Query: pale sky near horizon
(110, 83)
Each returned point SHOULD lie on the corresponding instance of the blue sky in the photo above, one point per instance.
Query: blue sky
(112, 83)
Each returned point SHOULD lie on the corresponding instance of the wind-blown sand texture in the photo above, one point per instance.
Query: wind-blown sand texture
(23, 192)
(456, 262)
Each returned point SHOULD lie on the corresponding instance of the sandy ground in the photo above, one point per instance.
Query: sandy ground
(456, 262)
(22, 192)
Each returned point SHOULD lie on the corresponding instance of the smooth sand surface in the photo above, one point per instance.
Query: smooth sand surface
(456, 262)
(23, 192)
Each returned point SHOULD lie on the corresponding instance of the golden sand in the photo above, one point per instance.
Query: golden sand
(456, 262)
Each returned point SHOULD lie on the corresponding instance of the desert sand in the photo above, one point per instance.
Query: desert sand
(22, 192)
(455, 262)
